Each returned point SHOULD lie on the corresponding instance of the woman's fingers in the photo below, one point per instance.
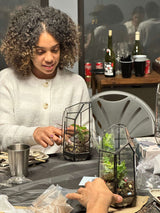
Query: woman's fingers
(56, 138)
(44, 144)
(48, 136)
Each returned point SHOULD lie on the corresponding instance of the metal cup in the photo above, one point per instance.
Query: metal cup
(18, 155)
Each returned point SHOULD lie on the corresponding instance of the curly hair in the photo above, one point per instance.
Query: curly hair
(25, 27)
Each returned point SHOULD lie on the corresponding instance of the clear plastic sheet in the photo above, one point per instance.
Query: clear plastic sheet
(15, 180)
(56, 170)
(52, 200)
(5, 205)
(145, 177)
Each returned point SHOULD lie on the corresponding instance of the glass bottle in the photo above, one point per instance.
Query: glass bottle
(109, 63)
(137, 49)
(92, 43)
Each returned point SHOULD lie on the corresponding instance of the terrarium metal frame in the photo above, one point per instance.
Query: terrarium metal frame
(78, 146)
(114, 168)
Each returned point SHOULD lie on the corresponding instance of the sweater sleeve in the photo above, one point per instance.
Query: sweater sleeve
(10, 132)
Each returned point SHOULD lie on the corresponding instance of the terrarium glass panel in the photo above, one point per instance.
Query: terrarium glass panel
(117, 163)
(77, 132)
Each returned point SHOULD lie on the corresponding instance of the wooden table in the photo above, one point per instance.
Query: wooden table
(99, 81)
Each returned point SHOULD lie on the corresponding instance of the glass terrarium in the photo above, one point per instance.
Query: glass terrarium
(117, 163)
(77, 132)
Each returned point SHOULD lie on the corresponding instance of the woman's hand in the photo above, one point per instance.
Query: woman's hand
(47, 136)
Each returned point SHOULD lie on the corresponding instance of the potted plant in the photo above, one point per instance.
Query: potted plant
(117, 163)
(77, 132)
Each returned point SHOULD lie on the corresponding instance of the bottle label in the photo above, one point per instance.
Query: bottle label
(108, 69)
(108, 51)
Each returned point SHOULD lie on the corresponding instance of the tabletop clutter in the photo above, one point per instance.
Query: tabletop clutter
(116, 163)
(120, 59)
(51, 200)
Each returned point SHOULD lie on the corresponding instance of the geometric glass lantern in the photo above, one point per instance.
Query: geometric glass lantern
(117, 163)
(77, 131)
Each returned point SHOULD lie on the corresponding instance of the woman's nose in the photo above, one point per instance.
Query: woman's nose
(49, 57)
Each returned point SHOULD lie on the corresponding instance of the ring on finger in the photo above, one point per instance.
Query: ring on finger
(51, 138)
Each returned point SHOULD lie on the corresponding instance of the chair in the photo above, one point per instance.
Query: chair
(117, 107)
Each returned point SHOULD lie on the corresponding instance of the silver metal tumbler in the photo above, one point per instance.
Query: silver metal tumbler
(18, 155)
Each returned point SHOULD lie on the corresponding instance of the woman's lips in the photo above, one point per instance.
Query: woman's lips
(48, 67)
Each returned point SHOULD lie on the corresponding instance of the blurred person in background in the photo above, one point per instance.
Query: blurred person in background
(150, 31)
(110, 18)
(138, 15)
(89, 44)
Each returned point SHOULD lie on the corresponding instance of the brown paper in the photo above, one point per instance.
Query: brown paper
(139, 203)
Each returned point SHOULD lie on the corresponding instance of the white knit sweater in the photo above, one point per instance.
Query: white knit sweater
(29, 102)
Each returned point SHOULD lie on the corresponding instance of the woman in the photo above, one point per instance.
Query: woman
(132, 25)
(38, 47)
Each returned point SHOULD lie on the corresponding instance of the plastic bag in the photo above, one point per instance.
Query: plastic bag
(157, 165)
(51, 201)
(5, 205)
(146, 178)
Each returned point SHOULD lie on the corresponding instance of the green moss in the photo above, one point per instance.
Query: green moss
(108, 161)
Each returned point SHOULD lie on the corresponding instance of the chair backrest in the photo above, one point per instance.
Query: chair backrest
(118, 107)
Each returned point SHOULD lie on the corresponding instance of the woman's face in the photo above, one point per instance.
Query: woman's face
(137, 18)
(46, 57)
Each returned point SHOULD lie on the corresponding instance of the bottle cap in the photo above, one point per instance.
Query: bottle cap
(137, 35)
(110, 32)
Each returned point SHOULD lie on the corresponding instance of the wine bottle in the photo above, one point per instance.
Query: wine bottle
(109, 63)
(137, 49)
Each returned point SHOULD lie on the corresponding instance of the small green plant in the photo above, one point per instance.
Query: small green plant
(107, 142)
(82, 133)
(108, 161)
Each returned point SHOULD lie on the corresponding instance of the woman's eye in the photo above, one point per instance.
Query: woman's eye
(39, 52)
(55, 50)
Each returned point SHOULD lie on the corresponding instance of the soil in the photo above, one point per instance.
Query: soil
(80, 148)
(127, 192)
(79, 153)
